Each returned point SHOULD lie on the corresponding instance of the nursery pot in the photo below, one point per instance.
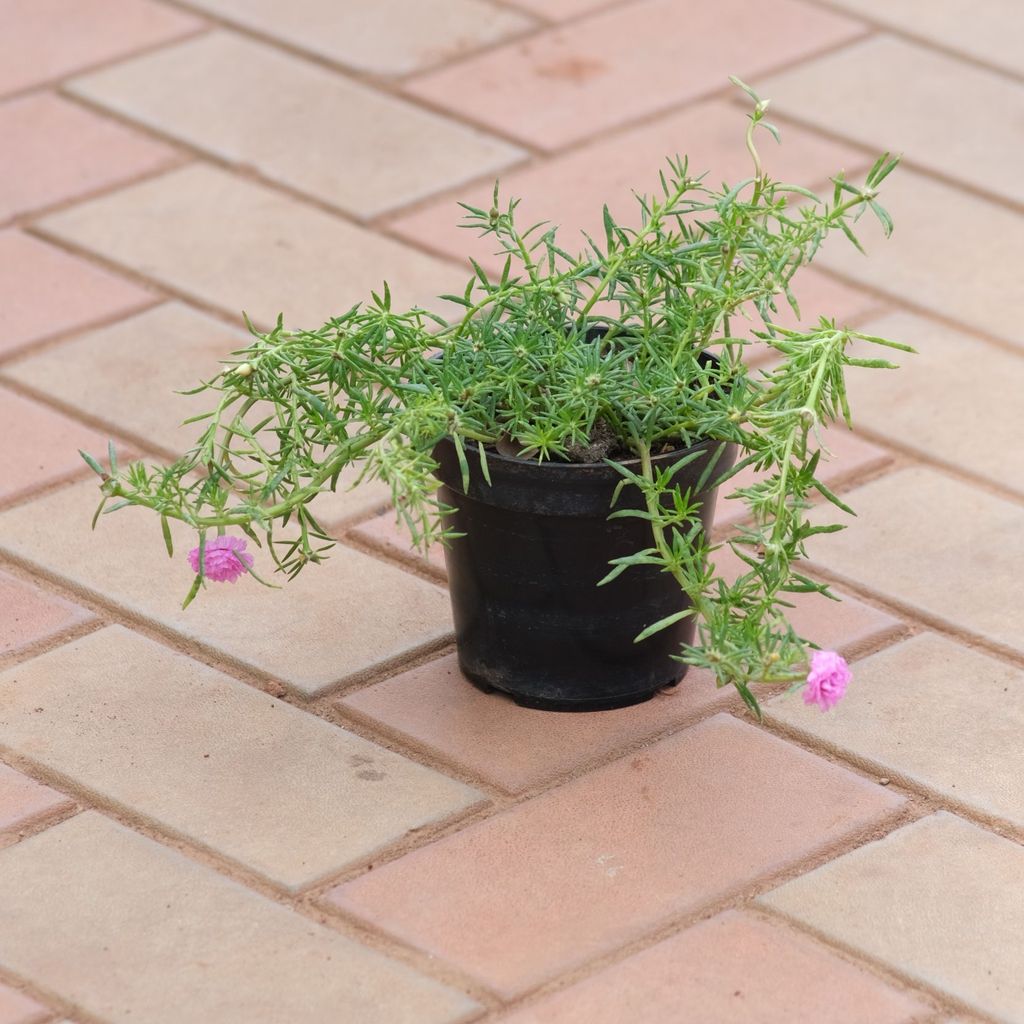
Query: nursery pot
(530, 619)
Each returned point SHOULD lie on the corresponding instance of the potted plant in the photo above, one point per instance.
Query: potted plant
(565, 436)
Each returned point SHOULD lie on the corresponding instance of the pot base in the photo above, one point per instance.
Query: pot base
(605, 703)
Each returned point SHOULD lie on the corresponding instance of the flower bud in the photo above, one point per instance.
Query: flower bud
(243, 370)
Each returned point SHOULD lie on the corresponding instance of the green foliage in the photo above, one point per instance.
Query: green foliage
(523, 368)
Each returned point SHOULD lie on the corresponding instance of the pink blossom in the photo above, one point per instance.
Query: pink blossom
(827, 680)
(224, 559)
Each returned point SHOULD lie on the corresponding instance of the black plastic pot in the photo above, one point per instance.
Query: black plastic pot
(530, 619)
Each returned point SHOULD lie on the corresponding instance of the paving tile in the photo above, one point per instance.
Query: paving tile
(938, 111)
(587, 867)
(516, 748)
(254, 105)
(983, 31)
(849, 626)
(947, 549)
(974, 282)
(570, 190)
(204, 756)
(915, 704)
(44, 290)
(566, 84)
(383, 532)
(38, 445)
(148, 935)
(47, 39)
(340, 620)
(939, 900)
(59, 151)
(18, 1008)
(902, 405)
(819, 295)
(732, 969)
(242, 246)
(560, 10)
(387, 37)
(22, 801)
(850, 456)
(32, 615)
(128, 376)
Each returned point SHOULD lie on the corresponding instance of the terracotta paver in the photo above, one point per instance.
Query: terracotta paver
(559, 10)
(928, 106)
(18, 1008)
(848, 626)
(915, 705)
(128, 376)
(518, 748)
(32, 615)
(973, 374)
(22, 802)
(939, 900)
(817, 295)
(387, 37)
(383, 532)
(591, 865)
(732, 969)
(254, 105)
(986, 32)
(948, 549)
(567, 83)
(45, 39)
(279, 791)
(850, 456)
(44, 291)
(241, 246)
(148, 934)
(919, 266)
(347, 617)
(171, 163)
(38, 445)
(58, 151)
(571, 189)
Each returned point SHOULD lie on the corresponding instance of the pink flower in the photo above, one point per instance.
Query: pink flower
(224, 558)
(827, 680)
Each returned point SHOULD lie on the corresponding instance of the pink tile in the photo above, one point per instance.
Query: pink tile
(560, 10)
(57, 150)
(583, 869)
(851, 457)
(18, 1008)
(819, 295)
(849, 626)
(39, 446)
(517, 748)
(571, 190)
(566, 84)
(22, 800)
(383, 532)
(732, 969)
(46, 39)
(43, 291)
(31, 614)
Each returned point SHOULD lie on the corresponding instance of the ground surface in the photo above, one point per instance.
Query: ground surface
(289, 807)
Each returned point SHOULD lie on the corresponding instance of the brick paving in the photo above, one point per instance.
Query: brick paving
(289, 807)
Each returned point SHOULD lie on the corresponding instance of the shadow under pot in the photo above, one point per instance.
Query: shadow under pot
(530, 620)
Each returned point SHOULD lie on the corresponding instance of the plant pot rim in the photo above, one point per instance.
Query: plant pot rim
(551, 464)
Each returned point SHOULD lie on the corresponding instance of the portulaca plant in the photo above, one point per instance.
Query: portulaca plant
(519, 370)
